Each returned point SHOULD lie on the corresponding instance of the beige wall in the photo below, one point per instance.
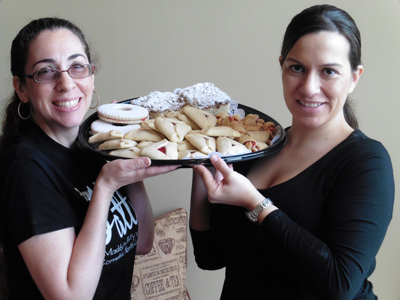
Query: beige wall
(162, 45)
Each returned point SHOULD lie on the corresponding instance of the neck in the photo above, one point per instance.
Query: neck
(64, 136)
(331, 134)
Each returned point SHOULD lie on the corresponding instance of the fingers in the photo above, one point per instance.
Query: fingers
(158, 170)
(139, 163)
(122, 172)
(142, 169)
(221, 168)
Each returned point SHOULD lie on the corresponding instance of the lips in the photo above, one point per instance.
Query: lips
(311, 105)
(67, 104)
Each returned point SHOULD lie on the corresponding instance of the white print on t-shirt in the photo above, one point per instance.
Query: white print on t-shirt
(122, 220)
(119, 208)
(113, 255)
(87, 195)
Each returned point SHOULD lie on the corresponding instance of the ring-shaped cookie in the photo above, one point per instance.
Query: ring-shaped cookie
(122, 113)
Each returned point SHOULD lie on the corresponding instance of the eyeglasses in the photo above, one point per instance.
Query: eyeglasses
(51, 75)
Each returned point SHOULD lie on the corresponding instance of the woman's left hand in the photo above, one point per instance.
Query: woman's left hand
(228, 186)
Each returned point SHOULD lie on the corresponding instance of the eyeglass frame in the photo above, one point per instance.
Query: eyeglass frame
(32, 76)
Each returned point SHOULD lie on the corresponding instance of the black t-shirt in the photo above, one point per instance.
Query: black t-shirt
(46, 187)
(322, 241)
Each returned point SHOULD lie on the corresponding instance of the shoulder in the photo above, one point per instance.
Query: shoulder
(358, 146)
(362, 161)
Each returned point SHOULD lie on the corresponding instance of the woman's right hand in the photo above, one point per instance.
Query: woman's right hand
(228, 186)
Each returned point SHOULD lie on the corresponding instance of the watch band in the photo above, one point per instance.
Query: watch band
(253, 215)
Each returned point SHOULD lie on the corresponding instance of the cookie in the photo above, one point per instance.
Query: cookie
(122, 113)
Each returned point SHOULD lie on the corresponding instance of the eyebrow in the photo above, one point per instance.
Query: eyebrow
(324, 65)
(50, 60)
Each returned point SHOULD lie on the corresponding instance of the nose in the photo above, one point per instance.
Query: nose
(311, 84)
(65, 82)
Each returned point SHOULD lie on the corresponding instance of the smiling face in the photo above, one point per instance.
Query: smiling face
(317, 79)
(57, 107)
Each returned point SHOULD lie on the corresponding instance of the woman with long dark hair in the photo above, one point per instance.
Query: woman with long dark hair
(307, 221)
(70, 224)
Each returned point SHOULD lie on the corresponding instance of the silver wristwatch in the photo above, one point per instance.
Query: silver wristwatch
(253, 215)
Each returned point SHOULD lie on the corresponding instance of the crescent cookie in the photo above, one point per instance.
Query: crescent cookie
(221, 131)
(105, 136)
(260, 136)
(183, 117)
(228, 146)
(117, 144)
(251, 143)
(143, 134)
(269, 126)
(174, 130)
(128, 153)
(186, 145)
(161, 150)
(202, 118)
(182, 154)
(144, 144)
(259, 146)
(204, 143)
(122, 113)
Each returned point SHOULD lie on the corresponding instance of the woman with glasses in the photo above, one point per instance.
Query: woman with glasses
(309, 219)
(70, 225)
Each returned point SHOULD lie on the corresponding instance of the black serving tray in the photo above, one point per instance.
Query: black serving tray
(84, 134)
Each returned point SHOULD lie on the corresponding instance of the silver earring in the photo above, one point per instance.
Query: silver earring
(19, 112)
(98, 100)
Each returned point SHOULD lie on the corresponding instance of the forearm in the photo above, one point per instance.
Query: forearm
(72, 265)
(199, 205)
(88, 253)
(144, 213)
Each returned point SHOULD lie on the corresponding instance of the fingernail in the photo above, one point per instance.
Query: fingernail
(213, 158)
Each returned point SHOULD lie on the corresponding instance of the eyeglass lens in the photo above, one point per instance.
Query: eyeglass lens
(76, 71)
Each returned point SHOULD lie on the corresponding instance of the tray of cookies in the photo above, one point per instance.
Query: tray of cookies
(172, 130)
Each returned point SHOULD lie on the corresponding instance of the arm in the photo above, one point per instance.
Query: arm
(230, 187)
(227, 187)
(199, 206)
(72, 265)
(358, 210)
(334, 263)
(144, 213)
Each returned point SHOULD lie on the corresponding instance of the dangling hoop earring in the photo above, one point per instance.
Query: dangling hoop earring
(98, 100)
(19, 112)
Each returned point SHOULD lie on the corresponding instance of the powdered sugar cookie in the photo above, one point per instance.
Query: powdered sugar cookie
(159, 103)
(122, 113)
(205, 96)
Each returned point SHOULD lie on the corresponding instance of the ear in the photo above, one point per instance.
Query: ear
(20, 89)
(280, 60)
(355, 77)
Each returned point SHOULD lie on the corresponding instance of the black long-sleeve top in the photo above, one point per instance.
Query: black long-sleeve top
(323, 240)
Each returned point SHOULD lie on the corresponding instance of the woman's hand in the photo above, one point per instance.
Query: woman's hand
(122, 172)
(228, 186)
